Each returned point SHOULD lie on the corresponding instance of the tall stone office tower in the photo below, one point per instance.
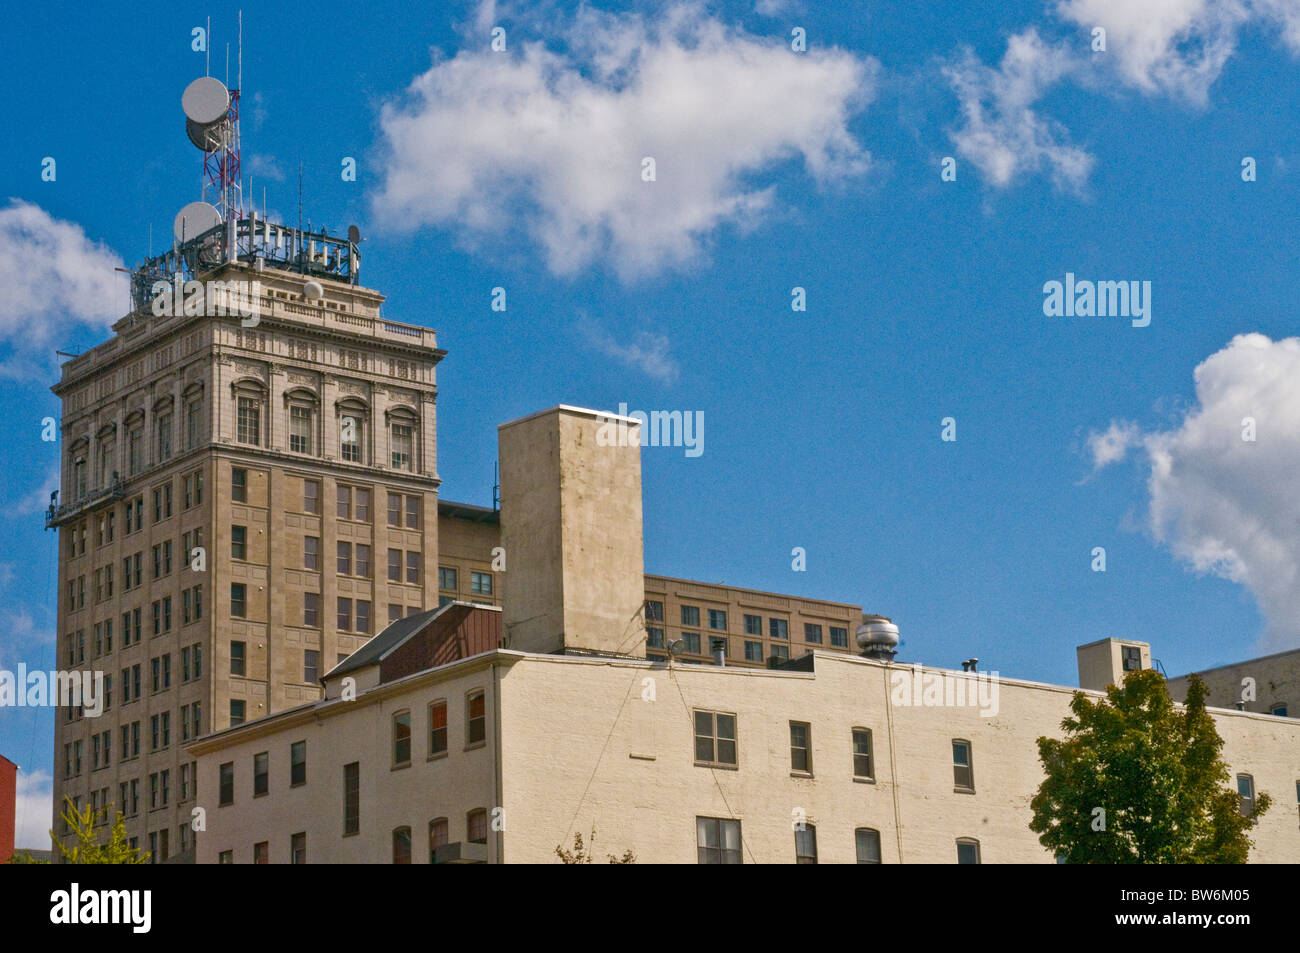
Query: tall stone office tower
(248, 494)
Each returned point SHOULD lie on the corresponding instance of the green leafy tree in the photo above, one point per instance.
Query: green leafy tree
(582, 853)
(1139, 780)
(87, 849)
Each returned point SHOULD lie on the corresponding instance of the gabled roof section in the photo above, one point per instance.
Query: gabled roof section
(427, 639)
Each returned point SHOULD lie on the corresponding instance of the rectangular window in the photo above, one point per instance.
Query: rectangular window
(962, 770)
(237, 658)
(343, 507)
(476, 826)
(413, 568)
(717, 840)
(239, 484)
(363, 561)
(344, 615)
(394, 509)
(363, 617)
(475, 719)
(753, 651)
(361, 504)
(800, 746)
(412, 512)
(344, 558)
(310, 666)
(447, 579)
(654, 611)
(812, 633)
(310, 551)
(261, 853)
(297, 763)
(352, 798)
(350, 438)
(261, 773)
(226, 793)
(300, 429)
(401, 738)
(311, 497)
(480, 583)
(237, 606)
(1246, 794)
(437, 728)
(715, 738)
(862, 767)
(654, 637)
(394, 565)
(1132, 656)
(968, 851)
(778, 628)
(298, 848)
(691, 616)
(310, 608)
(239, 542)
(692, 640)
(839, 637)
(717, 619)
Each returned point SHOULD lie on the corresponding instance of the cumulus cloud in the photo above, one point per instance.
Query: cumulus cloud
(1226, 504)
(549, 144)
(33, 811)
(55, 279)
(646, 351)
(1002, 135)
(1164, 47)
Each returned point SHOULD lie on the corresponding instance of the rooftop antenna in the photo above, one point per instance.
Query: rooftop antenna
(496, 486)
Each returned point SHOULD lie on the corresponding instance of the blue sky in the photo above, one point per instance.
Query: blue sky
(775, 169)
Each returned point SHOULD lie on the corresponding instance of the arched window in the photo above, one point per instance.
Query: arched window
(402, 845)
(250, 403)
(163, 430)
(193, 401)
(868, 845)
(476, 826)
(403, 426)
(352, 430)
(437, 836)
(80, 474)
(302, 420)
(106, 465)
(135, 442)
(1246, 793)
(968, 850)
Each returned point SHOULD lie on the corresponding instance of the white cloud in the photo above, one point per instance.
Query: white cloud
(549, 145)
(54, 279)
(264, 167)
(1001, 134)
(1113, 444)
(647, 351)
(34, 811)
(1169, 47)
(1226, 505)
(774, 8)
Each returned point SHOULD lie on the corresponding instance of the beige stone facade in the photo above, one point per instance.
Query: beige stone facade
(273, 448)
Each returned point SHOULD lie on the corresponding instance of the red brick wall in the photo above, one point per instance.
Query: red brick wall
(8, 796)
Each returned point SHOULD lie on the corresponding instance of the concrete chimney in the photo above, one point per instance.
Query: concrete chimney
(571, 529)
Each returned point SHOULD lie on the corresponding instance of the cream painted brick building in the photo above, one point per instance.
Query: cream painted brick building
(575, 743)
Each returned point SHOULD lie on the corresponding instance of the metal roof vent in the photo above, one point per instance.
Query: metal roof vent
(877, 637)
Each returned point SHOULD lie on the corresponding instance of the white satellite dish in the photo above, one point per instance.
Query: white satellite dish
(312, 291)
(195, 219)
(206, 100)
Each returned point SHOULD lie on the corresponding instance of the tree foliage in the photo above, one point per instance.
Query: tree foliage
(1140, 780)
(87, 849)
(582, 853)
